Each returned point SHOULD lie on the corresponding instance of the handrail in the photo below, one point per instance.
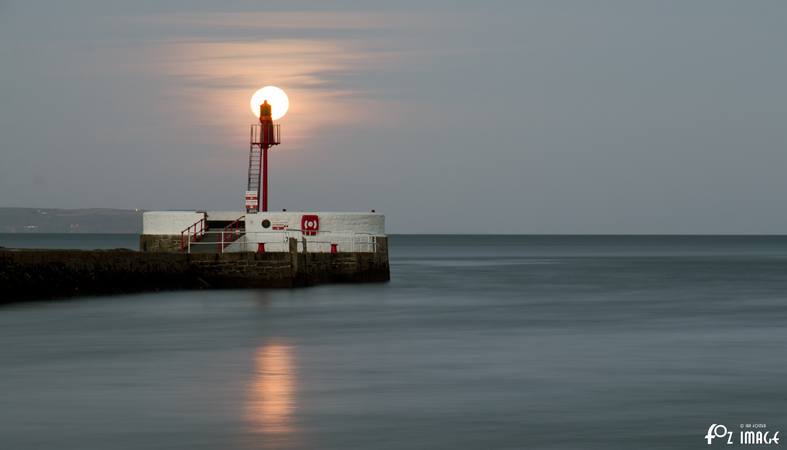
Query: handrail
(295, 231)
(234, 233)
(193, 225)
(265, 134)
(235, 225)
(197, 233)
(331, 241)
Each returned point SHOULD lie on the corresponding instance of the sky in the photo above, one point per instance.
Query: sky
(447, 116)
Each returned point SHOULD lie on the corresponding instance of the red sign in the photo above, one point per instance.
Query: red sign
(310, 224)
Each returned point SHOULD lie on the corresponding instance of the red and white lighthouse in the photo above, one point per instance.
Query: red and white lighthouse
(262, 137)
(269, 103)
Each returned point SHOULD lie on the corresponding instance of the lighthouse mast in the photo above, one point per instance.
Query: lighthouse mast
(263, 136)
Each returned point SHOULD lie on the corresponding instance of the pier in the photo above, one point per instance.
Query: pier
(42, 274)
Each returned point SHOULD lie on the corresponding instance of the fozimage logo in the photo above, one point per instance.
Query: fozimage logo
(749, 434)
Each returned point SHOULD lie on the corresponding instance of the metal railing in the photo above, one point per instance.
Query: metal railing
(234, 241)
(232, 232)
(269, 134)
(193, 232)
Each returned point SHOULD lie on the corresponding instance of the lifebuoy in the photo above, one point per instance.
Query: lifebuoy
(310, 224)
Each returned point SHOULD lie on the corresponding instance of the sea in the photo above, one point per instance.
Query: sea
(477, 342)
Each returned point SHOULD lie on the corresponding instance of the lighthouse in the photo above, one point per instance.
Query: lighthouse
(262, 137)
(256, 229)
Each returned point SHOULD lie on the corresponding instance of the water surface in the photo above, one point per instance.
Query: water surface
(478, 342)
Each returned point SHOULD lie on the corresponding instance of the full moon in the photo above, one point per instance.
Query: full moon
(276, 97)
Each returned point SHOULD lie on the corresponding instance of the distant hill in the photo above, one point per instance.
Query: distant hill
(43, 220)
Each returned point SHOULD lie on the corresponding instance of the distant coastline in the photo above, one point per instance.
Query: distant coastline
(54, 220)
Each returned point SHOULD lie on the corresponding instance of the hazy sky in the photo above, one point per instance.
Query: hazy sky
(514, 117)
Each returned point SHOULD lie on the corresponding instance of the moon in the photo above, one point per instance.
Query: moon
(275, 96)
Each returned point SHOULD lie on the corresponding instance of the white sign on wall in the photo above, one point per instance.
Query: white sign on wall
(251, 199)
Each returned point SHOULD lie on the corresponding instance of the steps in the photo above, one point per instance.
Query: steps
(219, 236)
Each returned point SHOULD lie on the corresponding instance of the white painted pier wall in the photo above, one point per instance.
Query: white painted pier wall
(319, 232)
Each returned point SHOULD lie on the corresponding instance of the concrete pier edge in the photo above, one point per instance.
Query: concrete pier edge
(47, 274)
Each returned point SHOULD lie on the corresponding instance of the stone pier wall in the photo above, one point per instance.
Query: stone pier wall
(35, 274)
(159, 243)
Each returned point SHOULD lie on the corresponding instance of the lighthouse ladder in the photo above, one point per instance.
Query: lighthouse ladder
(254, 175)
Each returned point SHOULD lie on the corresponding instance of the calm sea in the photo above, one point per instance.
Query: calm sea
(478, 342)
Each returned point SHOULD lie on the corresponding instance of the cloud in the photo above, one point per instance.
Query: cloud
(215, 62)
(281, 21)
